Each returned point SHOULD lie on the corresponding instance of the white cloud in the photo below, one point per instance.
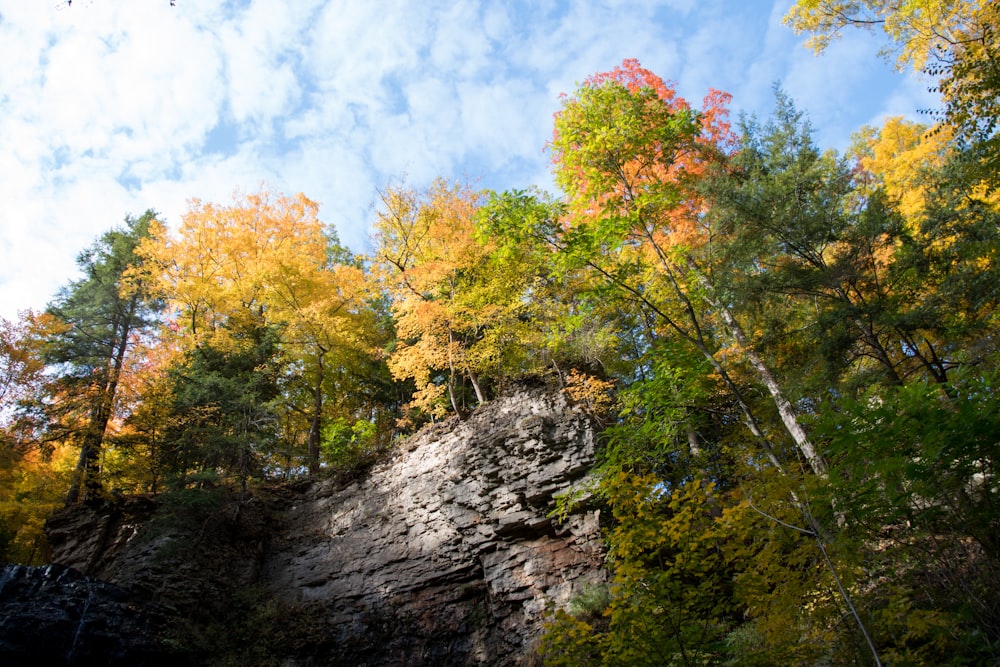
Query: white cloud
(114, 106)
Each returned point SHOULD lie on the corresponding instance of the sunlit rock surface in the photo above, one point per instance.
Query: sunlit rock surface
(445, 555)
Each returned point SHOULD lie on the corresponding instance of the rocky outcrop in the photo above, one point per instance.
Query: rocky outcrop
(454, 539)
(446, 555)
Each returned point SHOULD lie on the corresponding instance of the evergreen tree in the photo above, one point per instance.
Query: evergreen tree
(105, 311)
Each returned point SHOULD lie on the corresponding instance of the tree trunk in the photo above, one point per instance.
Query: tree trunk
(786, 411)
(480, 396)
(317, 416)
(87, 480)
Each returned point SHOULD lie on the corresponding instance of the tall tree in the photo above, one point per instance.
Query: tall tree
(267, 261)
(427, 251)
(105, 310)
(225, 410)
(628, 153)
(318, 294)
(796, 226)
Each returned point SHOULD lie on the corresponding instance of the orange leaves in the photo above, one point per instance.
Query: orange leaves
(21, 362)
(627, 148)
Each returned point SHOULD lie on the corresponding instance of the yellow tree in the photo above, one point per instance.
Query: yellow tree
(322, 310)
(214, 268)
(899, 157)
(950, 215)
(35, 464)
(956, 41)
(921, 30)
(263, 262)
(136, 451)
(428, 254)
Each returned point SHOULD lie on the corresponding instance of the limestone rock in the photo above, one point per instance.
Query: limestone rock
(453, 537)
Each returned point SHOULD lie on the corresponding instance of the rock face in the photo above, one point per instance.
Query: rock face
(445, 555)
(56, 616)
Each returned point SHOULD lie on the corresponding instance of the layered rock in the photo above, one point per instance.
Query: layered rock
(446, 555)
(454, 538)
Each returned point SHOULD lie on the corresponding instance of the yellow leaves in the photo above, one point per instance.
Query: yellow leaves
(263, 255)
(569, 642)
(31, 488)
(21, 362)
(678, 525)
(596, 395)
(920, 29)
(431, 263)
(900, 154)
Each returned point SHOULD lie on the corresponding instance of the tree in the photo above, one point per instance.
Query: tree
(921, 30)
(23, 381)
(952, 40)
(427, 251)
(970, 86)
(322, 310)
(21, 364)
(901, 158)
(34, 470)
(266, 262)
(797, 226)
(105, 311)
(224, 416)
(628, 152)
(940, 267)
(548, 316)
(215, 269)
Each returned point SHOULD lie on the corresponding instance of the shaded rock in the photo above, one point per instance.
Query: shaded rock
(56, 616)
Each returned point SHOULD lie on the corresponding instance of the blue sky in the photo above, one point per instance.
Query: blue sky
(110, 107)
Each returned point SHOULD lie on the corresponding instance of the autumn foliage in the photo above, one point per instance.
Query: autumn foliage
(791, 355)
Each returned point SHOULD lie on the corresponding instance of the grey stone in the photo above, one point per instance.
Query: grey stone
(445, 555)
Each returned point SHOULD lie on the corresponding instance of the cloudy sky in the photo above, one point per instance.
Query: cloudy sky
(110, 107)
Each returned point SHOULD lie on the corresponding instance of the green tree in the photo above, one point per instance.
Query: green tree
(628, 153)
(552, 316)
(911, 469)
(224, 419)
(105, 310)
(812, 261)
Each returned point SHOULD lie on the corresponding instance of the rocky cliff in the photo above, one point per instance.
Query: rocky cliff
(444, 555)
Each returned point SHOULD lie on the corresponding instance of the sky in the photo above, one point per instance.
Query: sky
(112, 107)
